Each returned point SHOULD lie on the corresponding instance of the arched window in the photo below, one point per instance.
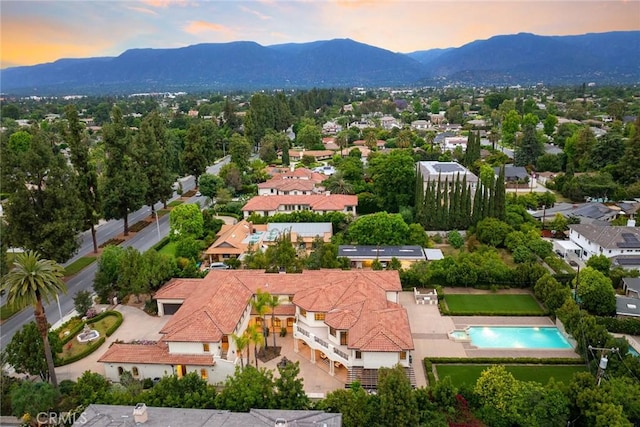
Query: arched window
(120, 370)
(134, 371)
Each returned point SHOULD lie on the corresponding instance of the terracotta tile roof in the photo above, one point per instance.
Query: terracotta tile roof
(382, 330)
(152, 354)
(178, 288)
(353, 300)
(231, 238)
(330, 202)
(288, 184)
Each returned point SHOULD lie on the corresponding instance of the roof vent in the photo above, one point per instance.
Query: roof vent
(140, 415)
(281, 422)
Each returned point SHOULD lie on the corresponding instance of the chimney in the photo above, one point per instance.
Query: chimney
(140, 415)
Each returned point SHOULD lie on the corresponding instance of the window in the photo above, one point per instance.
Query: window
(332, 331)
(358, 354)
(134, 371)
(203, 374)
(403, 355)
(205, 347)
(120, 370)
(319, 316)
(344, 338)
(290, 298)
(303, 312)
(290, 322)
(277, 322)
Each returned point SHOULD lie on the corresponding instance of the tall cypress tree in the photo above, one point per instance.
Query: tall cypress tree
(477, 204)
(439, 208)
(446, 211)
(455, 211)
(500, 197)
(465, 214)
(420, 199)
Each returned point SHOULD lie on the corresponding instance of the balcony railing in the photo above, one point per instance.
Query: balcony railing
(303, 332)
(321, 342)
(341, 353)
(318, 343)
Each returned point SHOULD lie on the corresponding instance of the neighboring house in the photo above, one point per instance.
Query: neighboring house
(297, 155)
(420, 125)
(588, 213)
(389, 122)
(303, 234)
(628, 262)
(362, 256)
(513, 173)
(129, 416)
(278, 186)
(271, 205)
(437, 119)
(331, 127)
(609, 241)
(296, 182)
(446, 171)
(433, 254)
(631, 287)
(453, 142)
(628, 307)
(233, 241)
(351, 320)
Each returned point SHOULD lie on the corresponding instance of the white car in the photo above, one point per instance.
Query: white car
(198, 194)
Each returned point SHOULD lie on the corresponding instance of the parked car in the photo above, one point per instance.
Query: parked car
(218, 266)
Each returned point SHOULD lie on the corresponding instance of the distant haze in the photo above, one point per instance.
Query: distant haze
(34, 32)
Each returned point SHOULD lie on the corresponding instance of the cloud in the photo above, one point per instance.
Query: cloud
(199, 27)
(165, 3)
(255, 12)
(142, 10)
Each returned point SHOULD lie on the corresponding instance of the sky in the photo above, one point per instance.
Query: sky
(33, 32)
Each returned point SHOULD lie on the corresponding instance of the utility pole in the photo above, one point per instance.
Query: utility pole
(602, 365)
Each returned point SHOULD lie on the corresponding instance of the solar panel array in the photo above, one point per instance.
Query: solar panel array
(630, 241)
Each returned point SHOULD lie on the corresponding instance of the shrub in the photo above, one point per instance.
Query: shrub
(283, 332)
(114, 242)
(90, 349)
(138, 226)
(506, 360)
(620, 326)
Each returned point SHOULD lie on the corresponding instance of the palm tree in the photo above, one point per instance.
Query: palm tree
(241, 342)
(257, 338)
(32, 281)
(259, 304)
(272, 303)
(337, 184)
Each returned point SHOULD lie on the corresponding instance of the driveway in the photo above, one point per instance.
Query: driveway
(136, 325)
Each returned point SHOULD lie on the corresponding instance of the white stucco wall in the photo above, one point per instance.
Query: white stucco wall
(144, 371)
(192, 348)
(375, 360)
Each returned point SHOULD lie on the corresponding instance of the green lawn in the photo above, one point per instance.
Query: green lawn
(169, 249)
(492, 303)
(175, 203)
(469, 374)
(6, 311)
(78, 265)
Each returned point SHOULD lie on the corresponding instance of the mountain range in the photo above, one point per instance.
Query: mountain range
(603, 58)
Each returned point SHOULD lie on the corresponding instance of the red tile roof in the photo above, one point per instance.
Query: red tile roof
(352, 300)
(152, 354)
(330, 202)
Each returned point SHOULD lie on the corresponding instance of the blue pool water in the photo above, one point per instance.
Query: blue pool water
(527, 337)
(633, 352)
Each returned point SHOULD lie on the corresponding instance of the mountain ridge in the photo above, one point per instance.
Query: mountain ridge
(523, 58)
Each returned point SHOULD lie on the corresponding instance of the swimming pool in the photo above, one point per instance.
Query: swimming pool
(524, 337)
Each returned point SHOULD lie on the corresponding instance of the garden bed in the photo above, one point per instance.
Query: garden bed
(115, 242)
(469, 374)
(139, 226)
(72, 350)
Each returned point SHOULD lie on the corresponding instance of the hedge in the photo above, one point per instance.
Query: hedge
(162, 243)
(231, 214)
(506, 360)
(90, 349)
(75, 331)
(428, 369)
(502, 313)
(620, 326)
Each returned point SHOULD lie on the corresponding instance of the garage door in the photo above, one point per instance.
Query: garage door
(171, 308)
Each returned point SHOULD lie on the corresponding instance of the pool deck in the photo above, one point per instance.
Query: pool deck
(430, 330)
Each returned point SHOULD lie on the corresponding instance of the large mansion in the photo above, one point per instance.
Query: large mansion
(350, 320)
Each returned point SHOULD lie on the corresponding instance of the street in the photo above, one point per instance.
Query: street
(143, 240)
